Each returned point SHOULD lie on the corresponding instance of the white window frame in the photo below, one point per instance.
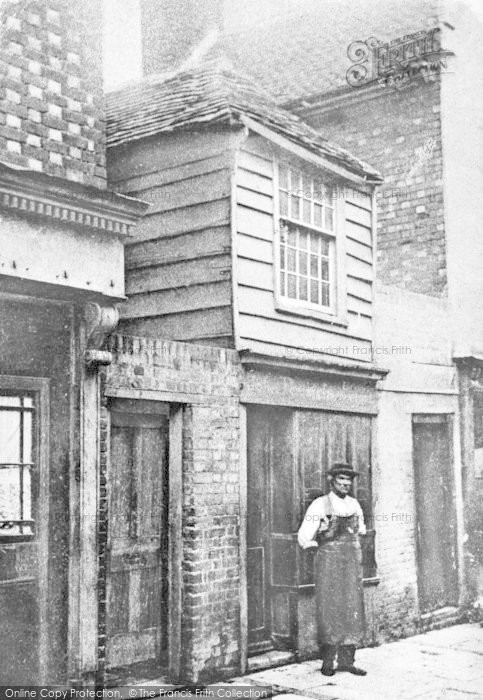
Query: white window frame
(336, 312)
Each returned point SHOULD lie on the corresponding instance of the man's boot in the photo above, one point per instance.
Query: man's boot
(328, 655)
(345, 660)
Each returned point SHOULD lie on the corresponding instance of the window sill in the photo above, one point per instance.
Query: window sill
(285, 306)
(16, 539)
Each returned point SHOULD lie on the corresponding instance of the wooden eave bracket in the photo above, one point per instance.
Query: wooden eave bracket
(99, 322)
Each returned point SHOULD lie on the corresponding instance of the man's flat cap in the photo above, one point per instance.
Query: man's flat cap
(342, 468)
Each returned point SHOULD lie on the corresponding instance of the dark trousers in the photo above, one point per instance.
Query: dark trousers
(345, 654)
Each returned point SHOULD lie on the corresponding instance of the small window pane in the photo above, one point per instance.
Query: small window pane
(314, 266)
(28, 402)
(27, 437)
(292, 237)
(302, 262)
(328, 195)
(324, 272)
(9, 437)
(325, 295)
(303, 288)
(318, 215)
(318, 191)
(296, 182)
(9, 400)
(282, 282)
(27, 496)
(282, 257)
(295, 208)
(9, 497)
(303, 240)
(306, 186)
(292, 286)
(329, 218)
(283, 176)
(307, 211)
(291, 257)
(283, 204)
(324, 247)
(314, 292)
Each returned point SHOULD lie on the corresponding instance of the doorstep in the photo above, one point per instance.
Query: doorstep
(269, 659)
(439, 619)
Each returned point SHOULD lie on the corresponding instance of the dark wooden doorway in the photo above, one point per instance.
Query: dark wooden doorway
(137, 576)
(270, 527)
(289, 452)
(435, 511)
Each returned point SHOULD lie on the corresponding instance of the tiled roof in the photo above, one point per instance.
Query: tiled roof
(303, 52)
(209, 95)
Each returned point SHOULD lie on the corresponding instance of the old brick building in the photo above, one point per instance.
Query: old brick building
(61, 272)
(424, 135)
(241, 190)
(427, 325)
(151, 485)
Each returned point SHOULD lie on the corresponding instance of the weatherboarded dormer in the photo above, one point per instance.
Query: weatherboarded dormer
(260, 237)
(260, 234)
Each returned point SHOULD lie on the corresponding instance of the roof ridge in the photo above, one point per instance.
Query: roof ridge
(213, 92)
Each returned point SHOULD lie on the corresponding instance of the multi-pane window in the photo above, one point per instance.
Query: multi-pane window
(304, 265)
(17, 416)
(305, 199)
(307, 238)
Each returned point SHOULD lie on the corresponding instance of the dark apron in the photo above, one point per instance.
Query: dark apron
(338, 583)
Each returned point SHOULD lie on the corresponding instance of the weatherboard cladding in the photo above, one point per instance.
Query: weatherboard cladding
(212, 95)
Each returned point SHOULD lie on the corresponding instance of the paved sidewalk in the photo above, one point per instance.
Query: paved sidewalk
(441, 665)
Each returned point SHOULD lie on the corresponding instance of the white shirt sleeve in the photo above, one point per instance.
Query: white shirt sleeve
(310, 524)
(362, 525)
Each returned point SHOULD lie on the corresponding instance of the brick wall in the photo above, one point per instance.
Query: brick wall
(399, 133)
(211, 447)
(51, 101)
(103, 515)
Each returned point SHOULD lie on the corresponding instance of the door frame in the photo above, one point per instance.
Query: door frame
(40, 386)
(243, 543)
(447, 419)
(175, 492)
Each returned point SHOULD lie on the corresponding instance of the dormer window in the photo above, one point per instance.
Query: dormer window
(306, 244)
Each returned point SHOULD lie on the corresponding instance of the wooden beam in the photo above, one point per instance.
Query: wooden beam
(305, 154)
(89, 497)
(243, 505)
(175, 543)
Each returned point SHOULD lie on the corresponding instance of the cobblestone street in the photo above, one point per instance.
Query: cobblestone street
(440, 665)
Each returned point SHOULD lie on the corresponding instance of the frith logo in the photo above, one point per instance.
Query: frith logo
(396, 63)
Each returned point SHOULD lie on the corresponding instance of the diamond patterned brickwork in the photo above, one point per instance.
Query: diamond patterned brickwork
(51, 101)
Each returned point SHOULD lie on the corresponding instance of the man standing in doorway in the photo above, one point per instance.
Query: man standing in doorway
(333, 523)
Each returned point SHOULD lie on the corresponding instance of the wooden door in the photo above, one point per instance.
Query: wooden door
(137, 577)
(435, 512)
(289, 453)
(271, 545)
